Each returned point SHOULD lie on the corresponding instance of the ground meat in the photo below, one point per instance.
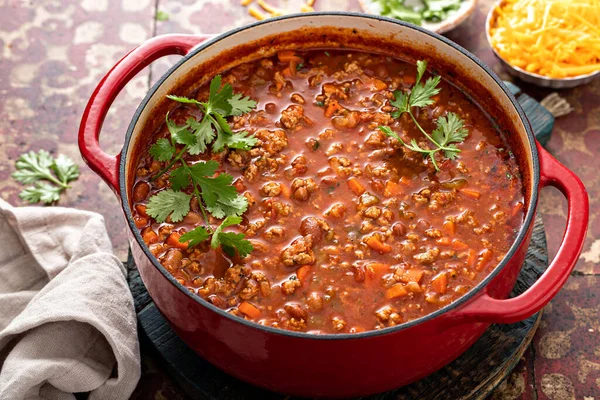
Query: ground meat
(235, 274)
(249, 291)
(275, 234)
(302, 188)
(315, 227)
(239, 159)
(272, 142)
(338, 323)
(372, 212)
(428, 256)
(289, 286)
(315, 301)
(338, 210)
(271, 189)
(299, 252)
(389, 315)
(375, 140)
(253, 227)
(433, 233)
(291, 116)
(439, 200)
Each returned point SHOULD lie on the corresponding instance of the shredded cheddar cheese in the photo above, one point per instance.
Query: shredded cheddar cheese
(554, 38)
(271, 10)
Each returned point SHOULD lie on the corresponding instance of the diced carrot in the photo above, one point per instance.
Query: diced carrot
(249, 309)
(287, 56)
(459, 245)
(149, 236)
(404, 180)
(517, 208)
(444, 241)
(470, 193)
(484, 257)
(378, 85)
(356, 186)
(412, 275)
(392, 189)
(378, 245)
(450, 227)
(302, 272)
(374, 270)
(140, 221)
(440, 282)
(395, 291)
(472, 258)
(173, 241)
(285, 191)
(332, 107)
(141, 210)
(288, 71)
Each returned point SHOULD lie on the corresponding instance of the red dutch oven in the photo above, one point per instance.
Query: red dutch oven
(346, 364)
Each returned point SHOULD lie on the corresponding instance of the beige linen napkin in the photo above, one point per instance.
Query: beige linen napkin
(67, 322)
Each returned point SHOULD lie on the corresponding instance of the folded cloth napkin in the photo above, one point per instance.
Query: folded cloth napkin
(67, 322)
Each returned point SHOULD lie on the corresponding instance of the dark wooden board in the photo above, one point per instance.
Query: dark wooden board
(474, 375)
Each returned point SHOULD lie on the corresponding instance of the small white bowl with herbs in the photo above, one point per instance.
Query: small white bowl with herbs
(435, 15)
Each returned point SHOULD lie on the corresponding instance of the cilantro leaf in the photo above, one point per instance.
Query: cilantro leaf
(162, 150)
(231, 242)
(397, 9)
(184, 100)
(449, 130)
(203, 169)
(168, 202)
(220, 124)
(195, 236)
(33, 166)
(38, 167)
(241, 105)
(400, 102)
(421, 68)
(179, 178)
(218, 99)
(42, 191)
(66, 170)
(421, 94)
(204, 135)
(239, 140)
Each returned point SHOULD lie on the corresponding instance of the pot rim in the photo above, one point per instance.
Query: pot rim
(535, 180)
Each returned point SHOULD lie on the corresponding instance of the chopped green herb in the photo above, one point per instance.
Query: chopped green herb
(35, 168)
(316, 145)
(299, 66)
(327, 54)
(428, 10)
(320, 104)
(509, 175)
(162, 16)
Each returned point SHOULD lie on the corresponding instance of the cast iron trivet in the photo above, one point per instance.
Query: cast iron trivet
(472, 376)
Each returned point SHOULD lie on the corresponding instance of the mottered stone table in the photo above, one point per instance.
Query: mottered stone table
(53, 53)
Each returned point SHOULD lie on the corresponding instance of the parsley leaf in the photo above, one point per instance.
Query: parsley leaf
(162, 150)
(231, 242)
(195, 236)
(168, 202)
(35, 168)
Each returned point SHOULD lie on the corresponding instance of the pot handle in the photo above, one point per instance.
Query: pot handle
(106, 165)
(487, 309)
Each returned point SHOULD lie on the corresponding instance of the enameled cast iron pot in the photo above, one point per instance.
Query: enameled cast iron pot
(346, 364)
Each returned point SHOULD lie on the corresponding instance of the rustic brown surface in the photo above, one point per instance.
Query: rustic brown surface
(53, 53)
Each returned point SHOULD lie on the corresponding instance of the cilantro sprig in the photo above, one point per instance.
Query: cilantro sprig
(216, 195)
(50, 176)
(449, 129)
(213, 128)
